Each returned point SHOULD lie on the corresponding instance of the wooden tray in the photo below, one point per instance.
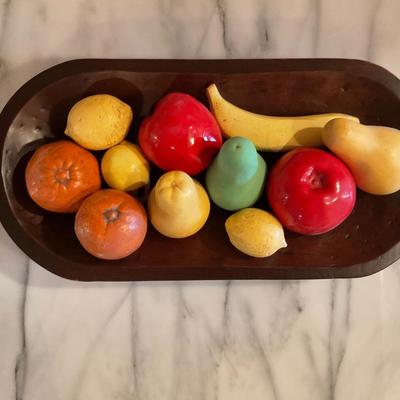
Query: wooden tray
(366, 242)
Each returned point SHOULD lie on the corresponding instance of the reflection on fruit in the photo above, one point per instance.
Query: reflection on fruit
(181, 134)
(311, 191)
(99, 122)
(111, 224)
(125, 168)
(371, 152)
(236, 177)
(60, 175)
(269, 133)
(178, 205)
(255, 232)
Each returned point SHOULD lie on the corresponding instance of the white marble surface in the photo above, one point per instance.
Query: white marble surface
(311, 340)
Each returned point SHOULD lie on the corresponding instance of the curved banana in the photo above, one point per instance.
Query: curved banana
(266, 132)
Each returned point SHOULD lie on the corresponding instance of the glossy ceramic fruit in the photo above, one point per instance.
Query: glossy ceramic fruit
(111, 224)
(181, 134)
(371, 152)
(99, 122)
(178, 205)
(60, 175)
(124, 167)
(311, 191)
(236, 177)
(266, 132)
(255, 232)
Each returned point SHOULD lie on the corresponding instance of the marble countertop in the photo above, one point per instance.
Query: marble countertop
(281, 340)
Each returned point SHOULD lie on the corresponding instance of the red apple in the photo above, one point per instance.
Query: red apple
(181, 134)
(311, 191)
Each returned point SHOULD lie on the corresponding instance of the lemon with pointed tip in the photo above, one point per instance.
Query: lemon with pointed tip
(124, 167)
(255, 232)
(99, 122)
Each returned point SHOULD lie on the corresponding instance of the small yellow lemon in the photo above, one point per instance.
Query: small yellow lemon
(255, 232)
(99, 122)
(124, 167)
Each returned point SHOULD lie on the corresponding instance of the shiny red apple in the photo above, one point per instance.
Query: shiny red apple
(311, 191)
(181, 134)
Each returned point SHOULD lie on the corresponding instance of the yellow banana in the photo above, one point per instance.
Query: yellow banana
(266, 132)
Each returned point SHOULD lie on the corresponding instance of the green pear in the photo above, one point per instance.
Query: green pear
(236, 177)
(372, 153)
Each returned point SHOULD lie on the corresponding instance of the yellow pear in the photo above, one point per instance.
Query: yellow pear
(178, 205)
(266, 132)
(372, 153)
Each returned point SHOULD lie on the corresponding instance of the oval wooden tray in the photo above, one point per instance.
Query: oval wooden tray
(366, 242)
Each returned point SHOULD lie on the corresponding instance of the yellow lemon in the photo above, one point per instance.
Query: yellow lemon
(124, 167)
(99, 122)
(255, 232)
(178, 205)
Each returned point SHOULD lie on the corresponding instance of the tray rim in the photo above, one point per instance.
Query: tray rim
(195, 66)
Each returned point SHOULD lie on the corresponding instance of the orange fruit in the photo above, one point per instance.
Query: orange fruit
(111, 224)
(60, 175)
